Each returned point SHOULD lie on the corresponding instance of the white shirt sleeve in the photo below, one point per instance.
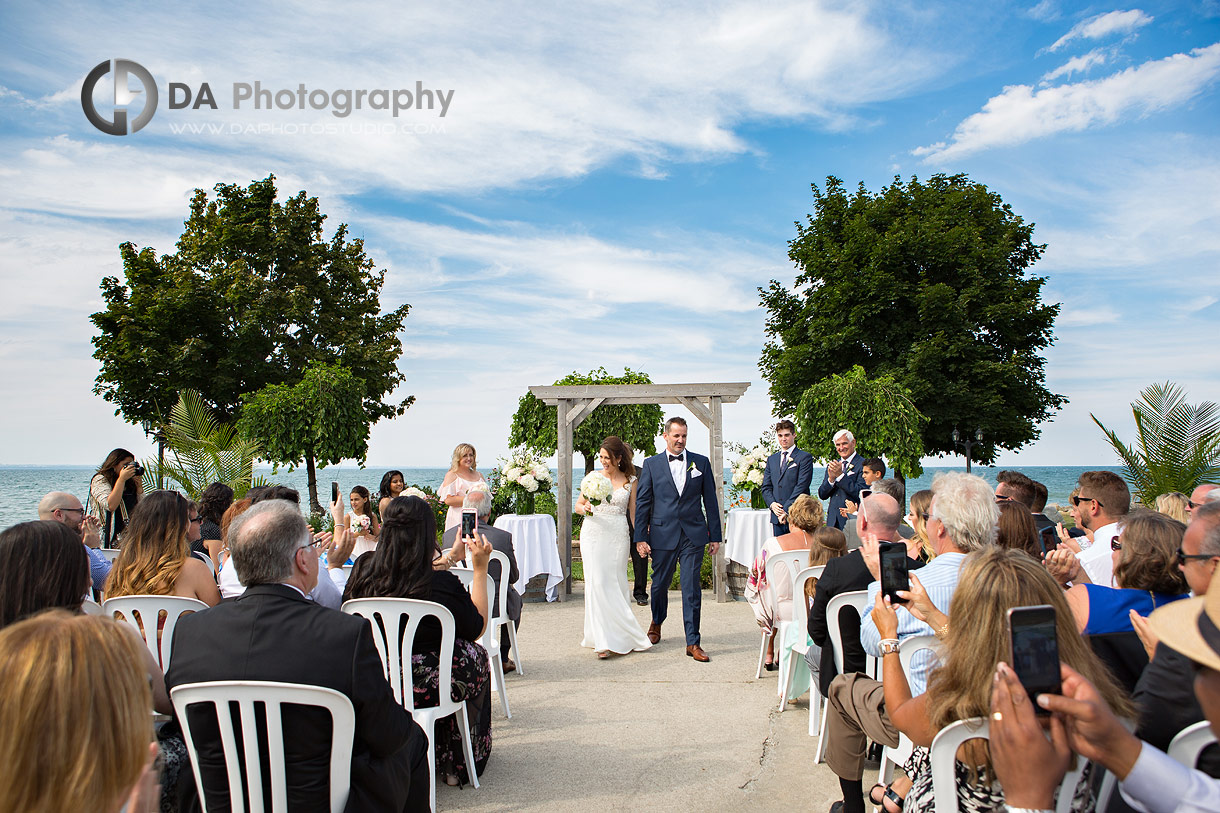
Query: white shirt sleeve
(1159, 784)
(326, 592)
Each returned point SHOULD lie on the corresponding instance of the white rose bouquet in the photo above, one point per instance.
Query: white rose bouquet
(748, 471)
(523, 475)
(596, 487)
(412, 491)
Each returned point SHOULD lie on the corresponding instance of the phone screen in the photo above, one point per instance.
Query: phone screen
(865, 492)
(1034, 648)
(894, 576)
(469, 518)
(334, 491)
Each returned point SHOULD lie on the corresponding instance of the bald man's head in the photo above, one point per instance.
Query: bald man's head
(60, 506)
(880, 514)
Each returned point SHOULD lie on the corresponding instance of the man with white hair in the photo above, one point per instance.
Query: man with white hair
(843, 478)
(1203, 494)
(61, 506)
(961, 519)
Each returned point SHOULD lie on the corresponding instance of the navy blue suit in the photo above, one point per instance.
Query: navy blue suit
(677, 527)
(785, 486)
(847, 488)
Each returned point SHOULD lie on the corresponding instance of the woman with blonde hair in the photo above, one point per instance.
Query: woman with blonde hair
(156, 556)
(75, 716)
(921, 505)
(772, 603)
(461, 477)
(992, 582)
(1174, 504)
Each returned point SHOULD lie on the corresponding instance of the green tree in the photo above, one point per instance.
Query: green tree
(253, 294)
(879, 412)
(202, 451)
(319, 421)
(924, 282)
(1177, 445)
(639, 425)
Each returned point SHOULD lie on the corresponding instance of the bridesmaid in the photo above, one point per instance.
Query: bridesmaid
(365, 540)
(458, 480)
(392, 485)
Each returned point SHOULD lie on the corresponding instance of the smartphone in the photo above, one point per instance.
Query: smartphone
(469, 520)
(865, 492)
(334, 491)
(894, 573)
(1034, 650)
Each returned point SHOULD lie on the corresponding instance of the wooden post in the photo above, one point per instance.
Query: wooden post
(717, 455)
(563, 500)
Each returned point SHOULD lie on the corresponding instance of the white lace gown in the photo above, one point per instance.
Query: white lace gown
(609, 622)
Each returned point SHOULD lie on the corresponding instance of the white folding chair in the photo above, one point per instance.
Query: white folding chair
(1189, 743)
(899, 754)
(859, 600)
(386, 616)
(207, 560)
(943, 756)
(492, 646)
(110, 553)
(796, 656)
(273, 696)
(501, 618)
(778, 566)
(90, 607)
(143, 612)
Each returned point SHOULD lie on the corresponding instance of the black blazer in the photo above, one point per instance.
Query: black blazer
(272, 632)
(845, 574)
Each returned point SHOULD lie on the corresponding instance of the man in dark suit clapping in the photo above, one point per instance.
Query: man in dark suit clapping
(787, 476)
(843, 479)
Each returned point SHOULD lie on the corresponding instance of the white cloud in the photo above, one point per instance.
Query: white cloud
(1077, 64)
(1045, 11)
(1021, 114)
(1103, 25)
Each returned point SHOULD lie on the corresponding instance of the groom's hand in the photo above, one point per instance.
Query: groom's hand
(643, 548)
(712, 547)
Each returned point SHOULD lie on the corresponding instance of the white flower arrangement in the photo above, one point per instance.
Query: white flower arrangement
(596, 487)
(524, 470)
(412, 491)
(749, 468)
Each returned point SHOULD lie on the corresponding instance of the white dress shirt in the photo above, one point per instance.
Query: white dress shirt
(677, 470)
(1096, 560)
(326, 593)
(1158, 784)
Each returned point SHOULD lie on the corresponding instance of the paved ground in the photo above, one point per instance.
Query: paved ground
(648, 731)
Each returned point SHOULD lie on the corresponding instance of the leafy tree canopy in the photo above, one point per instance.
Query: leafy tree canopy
(253, 295)
(320, 420)
(639, 425)
(879, 413)
(1177, 445)
(924, 282)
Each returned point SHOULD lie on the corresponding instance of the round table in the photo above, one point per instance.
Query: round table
(534, 538)
(747, 530)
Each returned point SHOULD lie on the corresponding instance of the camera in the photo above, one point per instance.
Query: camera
(139, 470)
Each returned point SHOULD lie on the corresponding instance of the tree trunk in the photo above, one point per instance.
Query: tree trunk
(314, 506)
(900, 477)
(590, 460)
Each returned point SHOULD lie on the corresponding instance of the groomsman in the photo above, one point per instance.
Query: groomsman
(788, 475)
(843, 480)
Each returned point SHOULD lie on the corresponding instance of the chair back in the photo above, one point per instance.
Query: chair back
(90, 607)
(143, 613)
(110, 553)
(247, 693)
(398, 619)
(943, 757)
(1189, 743)
(499, 610)
(800, 606)
(782, 566)
(207, 560)
(898, 755)
(466, 575)
(857, 599)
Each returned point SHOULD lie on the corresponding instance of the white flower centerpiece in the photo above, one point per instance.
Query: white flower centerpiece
(748, 470)
(596, 487)
(524, 475)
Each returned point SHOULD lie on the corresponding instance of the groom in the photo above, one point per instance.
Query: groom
(672, 526)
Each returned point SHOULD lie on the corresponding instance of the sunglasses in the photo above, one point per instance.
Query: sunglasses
(1184, 557)
(1077, 500)
(1116, 543)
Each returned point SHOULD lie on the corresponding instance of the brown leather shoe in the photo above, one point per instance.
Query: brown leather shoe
(654, 633)
(696, 652)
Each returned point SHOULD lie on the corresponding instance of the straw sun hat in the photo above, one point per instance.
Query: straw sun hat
(1192, 626)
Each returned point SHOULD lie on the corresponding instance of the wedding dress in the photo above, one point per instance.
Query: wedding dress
(609, 622)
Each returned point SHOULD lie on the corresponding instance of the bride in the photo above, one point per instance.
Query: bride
(610, 625)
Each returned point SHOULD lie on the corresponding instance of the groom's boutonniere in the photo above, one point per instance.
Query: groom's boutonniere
(691, 467)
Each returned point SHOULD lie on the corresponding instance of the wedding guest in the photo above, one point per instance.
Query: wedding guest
(873, 470)
(786, 475)
(992, 582)
(213, 503)
(156, 556)
(402, 567)
(61, 506)
(921, 502)
(75, 716)
(42, 565)
(1174, 504)
(772, 603)
(895, 489)
(113, 493)
(1200, 495)
(826, 545)
(1102, 503)
(461, 477)
(843, 479)
(1068, 537)
(392, 485)
(1016, 530)
(362, 513)
(235, 510)
(1013, 486)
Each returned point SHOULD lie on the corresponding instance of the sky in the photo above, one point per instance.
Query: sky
(611, 183)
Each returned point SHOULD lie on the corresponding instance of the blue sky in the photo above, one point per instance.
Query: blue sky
(612, 182)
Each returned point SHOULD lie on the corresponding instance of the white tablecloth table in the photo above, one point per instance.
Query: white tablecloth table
(747, 530)
(534, 537)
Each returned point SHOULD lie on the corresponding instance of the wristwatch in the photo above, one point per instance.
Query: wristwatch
(889, 646)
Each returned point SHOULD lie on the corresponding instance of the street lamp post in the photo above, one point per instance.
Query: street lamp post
(159, 437)
(966, 442)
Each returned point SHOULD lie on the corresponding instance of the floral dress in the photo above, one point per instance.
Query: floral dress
(975, 798)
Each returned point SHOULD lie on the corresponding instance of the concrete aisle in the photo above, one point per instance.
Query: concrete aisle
(647, 731)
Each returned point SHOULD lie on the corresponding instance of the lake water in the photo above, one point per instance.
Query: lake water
(22, 486)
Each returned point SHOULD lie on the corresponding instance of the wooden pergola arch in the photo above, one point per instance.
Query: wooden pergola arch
(576, 402)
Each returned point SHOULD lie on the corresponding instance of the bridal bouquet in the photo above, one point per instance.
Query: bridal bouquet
(360, 524)
(412, 491)
(596, 487)
(523, 476)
